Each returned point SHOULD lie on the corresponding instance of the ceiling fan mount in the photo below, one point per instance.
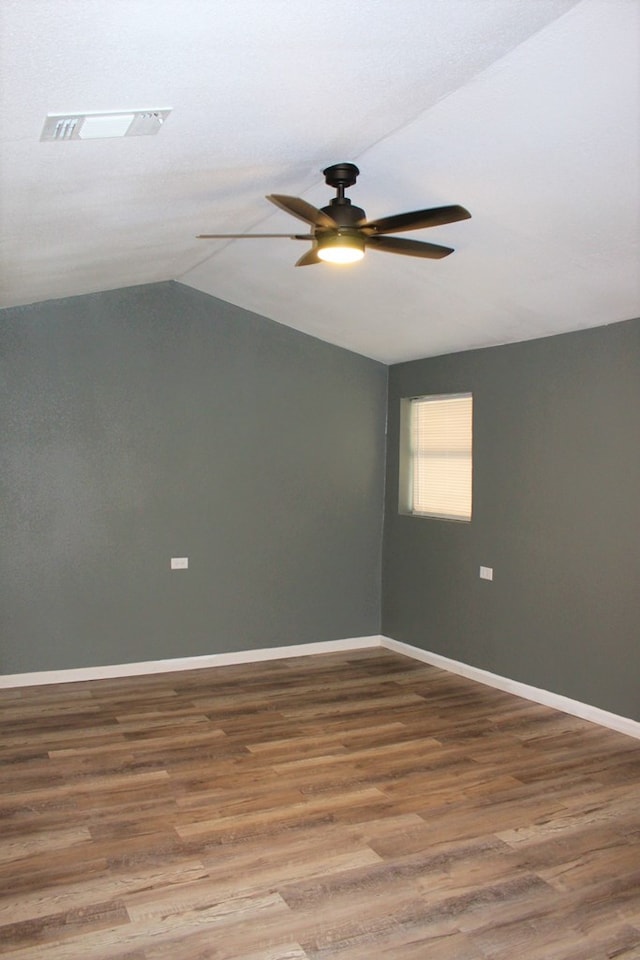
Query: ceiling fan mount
(341, 175)
(340, 232)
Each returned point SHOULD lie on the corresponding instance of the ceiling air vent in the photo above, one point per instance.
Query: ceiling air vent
(96, 126)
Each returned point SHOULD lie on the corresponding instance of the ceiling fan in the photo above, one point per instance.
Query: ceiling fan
(340, 232)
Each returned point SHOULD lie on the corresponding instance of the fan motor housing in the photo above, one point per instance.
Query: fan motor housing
(344, 212)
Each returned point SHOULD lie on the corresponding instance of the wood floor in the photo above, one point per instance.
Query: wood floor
(354, 806)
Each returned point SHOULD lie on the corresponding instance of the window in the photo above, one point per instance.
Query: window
(436, 456)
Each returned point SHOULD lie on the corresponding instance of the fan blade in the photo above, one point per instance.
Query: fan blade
(302, 210)
(417, 219)
(252, 236)
(308, 258)
(411, 248)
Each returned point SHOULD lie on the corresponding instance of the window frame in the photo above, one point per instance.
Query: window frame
(406, 471)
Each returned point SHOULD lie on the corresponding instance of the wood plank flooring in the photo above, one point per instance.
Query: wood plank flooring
(353, 806)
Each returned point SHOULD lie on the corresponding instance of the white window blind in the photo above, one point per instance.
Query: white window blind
(440, 437)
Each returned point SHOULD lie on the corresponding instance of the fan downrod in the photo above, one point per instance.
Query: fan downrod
(341, 175)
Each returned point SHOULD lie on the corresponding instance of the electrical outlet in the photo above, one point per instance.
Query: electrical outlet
(179, 563)
(486, 573)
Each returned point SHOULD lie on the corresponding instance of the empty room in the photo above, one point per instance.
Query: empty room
(320, 444)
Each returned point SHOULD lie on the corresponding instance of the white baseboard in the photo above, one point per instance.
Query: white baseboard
(565, 704)
(184, 663)
(556, 701)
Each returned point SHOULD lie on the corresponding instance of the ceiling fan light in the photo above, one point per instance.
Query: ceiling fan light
(341, 248)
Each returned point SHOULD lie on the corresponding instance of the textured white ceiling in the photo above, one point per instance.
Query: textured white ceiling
(527, 113)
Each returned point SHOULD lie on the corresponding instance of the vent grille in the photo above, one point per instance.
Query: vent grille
(96, 126)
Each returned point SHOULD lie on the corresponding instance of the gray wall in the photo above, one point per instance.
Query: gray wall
(556, 514)
(156, 421)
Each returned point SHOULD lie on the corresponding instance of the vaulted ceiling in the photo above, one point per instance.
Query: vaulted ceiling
(526, 113)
